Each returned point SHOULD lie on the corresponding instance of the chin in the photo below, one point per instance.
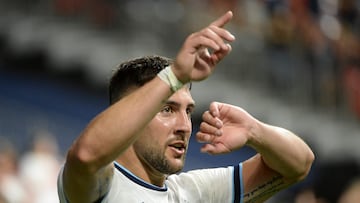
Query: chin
(175, 163)
(176, 166)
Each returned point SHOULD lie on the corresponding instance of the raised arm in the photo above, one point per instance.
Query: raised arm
(88, 171)
(283, 158)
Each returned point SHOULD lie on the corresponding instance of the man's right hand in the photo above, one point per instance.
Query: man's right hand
(202, 50)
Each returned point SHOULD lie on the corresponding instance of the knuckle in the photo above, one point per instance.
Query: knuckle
(212, 27)
(205, 115)
(202, 126)
(207, 30)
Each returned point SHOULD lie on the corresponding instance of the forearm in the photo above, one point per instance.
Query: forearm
(116, 128)
(282, 151)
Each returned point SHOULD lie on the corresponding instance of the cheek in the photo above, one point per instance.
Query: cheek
(161, 123)
(158, 129)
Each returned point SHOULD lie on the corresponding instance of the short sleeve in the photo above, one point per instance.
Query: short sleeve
(238, 184)
(210, 185)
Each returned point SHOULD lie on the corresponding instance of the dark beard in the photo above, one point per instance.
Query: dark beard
(159, 162)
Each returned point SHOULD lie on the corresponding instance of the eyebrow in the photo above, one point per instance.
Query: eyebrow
(174, 103)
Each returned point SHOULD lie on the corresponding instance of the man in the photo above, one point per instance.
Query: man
(133, 150)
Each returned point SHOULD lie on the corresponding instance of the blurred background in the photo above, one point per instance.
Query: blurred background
(295, 64)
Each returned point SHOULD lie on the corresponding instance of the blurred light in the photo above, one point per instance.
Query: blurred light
(169, 11)
(330, 26)
(140, 10)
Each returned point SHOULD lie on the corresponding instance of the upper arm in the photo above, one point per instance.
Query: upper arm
(84, 187)
(261, 182)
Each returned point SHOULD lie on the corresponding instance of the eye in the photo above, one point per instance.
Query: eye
(189, 111)
(167, 110)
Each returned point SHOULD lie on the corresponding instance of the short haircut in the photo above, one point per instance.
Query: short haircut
(134, 74)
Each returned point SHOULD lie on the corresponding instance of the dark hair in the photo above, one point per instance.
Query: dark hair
(134, 74)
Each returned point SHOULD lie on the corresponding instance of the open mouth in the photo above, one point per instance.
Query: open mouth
(178, 147)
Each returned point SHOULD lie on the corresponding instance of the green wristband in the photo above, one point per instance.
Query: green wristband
(168, 76)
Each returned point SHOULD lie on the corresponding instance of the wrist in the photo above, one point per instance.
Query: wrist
(168, 76)
(254, 136)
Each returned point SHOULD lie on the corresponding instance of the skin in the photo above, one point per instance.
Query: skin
(352, 193)
(146, 142)
(277, 165)
(154, 150)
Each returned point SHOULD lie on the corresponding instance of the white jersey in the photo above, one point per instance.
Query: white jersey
(203, 185)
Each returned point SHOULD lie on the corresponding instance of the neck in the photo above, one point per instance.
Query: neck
(141, 169)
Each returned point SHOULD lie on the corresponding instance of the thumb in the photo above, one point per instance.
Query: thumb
(214, 149)
(208, 148)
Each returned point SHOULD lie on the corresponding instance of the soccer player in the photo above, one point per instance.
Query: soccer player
(134, 150)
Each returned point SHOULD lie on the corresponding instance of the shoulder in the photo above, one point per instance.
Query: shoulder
(217, 184)
(209, 174)
(204, 178)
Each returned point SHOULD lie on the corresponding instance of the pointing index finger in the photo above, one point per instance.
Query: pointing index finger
(220, 22)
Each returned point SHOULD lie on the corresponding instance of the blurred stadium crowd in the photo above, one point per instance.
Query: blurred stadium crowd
(295, 63)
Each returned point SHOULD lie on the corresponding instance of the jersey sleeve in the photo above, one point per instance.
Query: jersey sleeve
(211, 185)
(238, 192)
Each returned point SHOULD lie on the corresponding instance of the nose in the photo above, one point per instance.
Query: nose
(183, 123)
